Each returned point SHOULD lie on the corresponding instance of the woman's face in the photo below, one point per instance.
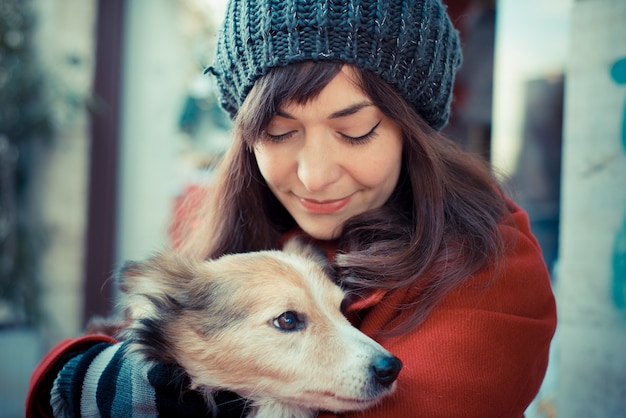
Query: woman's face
(332, 158)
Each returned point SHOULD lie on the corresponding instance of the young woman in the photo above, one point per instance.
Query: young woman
(337, 109)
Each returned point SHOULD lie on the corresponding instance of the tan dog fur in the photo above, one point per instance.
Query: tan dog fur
(221, 321)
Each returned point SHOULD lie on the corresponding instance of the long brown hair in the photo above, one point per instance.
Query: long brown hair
(439, 226)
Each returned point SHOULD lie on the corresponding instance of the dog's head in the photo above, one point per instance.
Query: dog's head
(264, 324)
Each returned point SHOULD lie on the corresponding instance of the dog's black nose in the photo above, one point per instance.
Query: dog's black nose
(386, 369)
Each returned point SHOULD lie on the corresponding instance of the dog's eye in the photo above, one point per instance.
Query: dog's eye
(288, 321)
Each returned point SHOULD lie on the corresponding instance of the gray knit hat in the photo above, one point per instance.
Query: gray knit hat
(411, 44)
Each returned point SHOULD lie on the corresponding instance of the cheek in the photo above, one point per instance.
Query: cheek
(272, 167)
(380, 170)
(380, 164)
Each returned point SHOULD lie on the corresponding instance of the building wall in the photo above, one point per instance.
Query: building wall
(66, 47)
(591, 279)
(154, 66)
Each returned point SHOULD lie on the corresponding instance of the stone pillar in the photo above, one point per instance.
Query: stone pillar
(591, 279)
(65, 45)
(154, 73)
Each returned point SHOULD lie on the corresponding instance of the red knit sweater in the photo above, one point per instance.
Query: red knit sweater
(482, 352)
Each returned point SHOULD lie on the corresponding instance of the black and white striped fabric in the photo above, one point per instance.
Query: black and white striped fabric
(102, 382)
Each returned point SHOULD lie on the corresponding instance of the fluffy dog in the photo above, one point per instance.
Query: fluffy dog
(266, 325)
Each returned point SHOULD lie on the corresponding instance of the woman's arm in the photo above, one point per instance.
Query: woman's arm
(92, 376)
(42, 378)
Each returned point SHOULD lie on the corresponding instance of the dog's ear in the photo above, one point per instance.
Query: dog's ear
(150, 284)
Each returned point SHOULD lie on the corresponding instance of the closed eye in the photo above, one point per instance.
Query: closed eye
(356, 140)
(279, 137)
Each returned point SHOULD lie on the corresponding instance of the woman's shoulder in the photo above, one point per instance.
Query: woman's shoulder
(516, 283)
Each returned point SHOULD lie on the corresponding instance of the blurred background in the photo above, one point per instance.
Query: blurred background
(106, 121)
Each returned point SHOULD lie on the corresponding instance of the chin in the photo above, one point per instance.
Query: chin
(322, 233)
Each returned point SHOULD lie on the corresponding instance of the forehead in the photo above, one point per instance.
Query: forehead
(342, 89)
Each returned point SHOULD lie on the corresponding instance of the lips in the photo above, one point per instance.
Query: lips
(324, 207)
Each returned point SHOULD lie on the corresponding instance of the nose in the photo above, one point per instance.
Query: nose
(317, 163)
(385, 369)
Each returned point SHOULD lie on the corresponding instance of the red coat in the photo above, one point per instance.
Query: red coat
(482, 352)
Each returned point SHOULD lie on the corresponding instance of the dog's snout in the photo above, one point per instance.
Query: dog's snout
(386, 369)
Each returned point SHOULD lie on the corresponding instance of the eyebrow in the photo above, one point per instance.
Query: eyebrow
(350, 110)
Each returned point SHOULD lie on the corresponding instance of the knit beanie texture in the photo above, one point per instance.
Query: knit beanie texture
(410, 44)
